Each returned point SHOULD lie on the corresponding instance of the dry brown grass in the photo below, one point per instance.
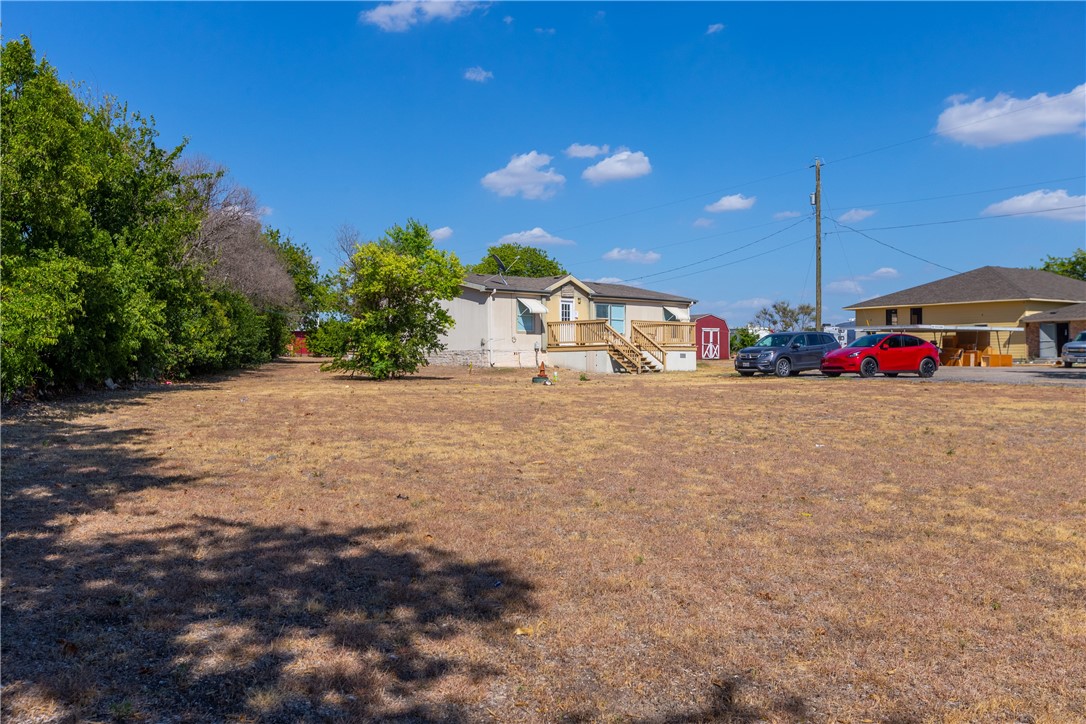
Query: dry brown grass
(286, 545)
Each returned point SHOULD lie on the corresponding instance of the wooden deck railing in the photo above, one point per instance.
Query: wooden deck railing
(656, 338)
(668, 334)
(645, 343)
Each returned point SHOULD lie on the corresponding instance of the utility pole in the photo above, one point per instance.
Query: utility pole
(818, 243)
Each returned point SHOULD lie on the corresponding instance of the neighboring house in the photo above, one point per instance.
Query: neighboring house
(505, 321)
(979, 309)
(1047, 332)
(712, 337)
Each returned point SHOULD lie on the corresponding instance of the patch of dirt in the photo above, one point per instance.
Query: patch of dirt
(290, 545)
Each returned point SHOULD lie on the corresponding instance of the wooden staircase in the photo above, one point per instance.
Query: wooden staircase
(645, 350)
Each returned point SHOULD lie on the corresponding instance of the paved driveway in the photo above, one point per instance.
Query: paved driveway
(1019, 375)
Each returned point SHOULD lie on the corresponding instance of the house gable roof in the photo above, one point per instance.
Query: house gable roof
(544, 285)
(987, 284)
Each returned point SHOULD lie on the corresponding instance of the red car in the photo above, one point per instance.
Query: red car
(889, 354)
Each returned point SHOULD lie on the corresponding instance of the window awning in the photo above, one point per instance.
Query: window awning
(534, 305)
(683, 315)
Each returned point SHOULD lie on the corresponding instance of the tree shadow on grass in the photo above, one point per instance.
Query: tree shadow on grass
(213, 619)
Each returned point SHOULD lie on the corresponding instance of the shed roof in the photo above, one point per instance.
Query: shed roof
(1070, 313)
(540, 285)
(987, 284)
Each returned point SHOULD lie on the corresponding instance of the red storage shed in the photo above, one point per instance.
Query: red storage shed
(712, 336)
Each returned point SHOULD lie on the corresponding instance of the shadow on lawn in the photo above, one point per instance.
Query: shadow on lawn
(213, 619)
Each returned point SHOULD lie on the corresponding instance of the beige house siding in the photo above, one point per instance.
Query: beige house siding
(992, 314)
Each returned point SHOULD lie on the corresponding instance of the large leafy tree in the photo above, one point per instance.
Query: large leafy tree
(117, 259)
(520, 261)
(782, 316)
(1073, 266)
(391, 292)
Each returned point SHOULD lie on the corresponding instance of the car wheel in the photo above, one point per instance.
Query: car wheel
(784, 367)
(832, 374)
(890, 374)
(869, 367)
(746, 374)
(927, 367)
(1068, 364)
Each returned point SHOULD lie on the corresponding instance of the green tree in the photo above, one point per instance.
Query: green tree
(101, 269)
(782, 317)
(742, 337)
(391, 290)
(311, 292)
(520, 261)
(1073, 266)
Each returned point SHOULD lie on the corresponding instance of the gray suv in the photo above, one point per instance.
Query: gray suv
(785, 353)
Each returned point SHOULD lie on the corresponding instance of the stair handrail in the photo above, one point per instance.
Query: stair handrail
(643, 341)
(624, 347)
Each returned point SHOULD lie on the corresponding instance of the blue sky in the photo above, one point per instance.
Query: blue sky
(667, 145)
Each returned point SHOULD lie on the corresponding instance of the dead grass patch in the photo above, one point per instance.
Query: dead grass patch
(286, 545)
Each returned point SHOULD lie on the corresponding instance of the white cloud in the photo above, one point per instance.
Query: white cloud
(477, 74)
(441, 234)
(534, 237)
(399, 16)
(853, 286)
(508, 20)
(544, 31)
(622, 165)
(703, 223)
(1050, 204)
(854, 215)
(607, 280)
(884, 272)
(1006, 119)
(581, 150)
(714, 28)
(527, 174)
(632, 255)
(780, 215)
(735, 202)
(846, 286)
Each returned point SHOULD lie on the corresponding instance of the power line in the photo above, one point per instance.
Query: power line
(891, 246)
(717, 256)
(971, 193)
(678, 201)
(738, 261)
(972, 218)
(955, 128)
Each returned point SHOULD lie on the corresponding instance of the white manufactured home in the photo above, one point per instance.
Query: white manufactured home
(504, 321)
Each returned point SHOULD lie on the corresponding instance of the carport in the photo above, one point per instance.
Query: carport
(968, 345)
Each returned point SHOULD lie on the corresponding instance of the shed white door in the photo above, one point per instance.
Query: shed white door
(710, 343)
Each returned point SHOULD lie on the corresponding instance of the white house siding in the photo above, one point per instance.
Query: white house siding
(465, 343)
(486, 333)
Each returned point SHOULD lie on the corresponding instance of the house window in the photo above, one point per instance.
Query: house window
(669, 317)
(525, 319)
(615, 314)
(916, 315)
(891, 316)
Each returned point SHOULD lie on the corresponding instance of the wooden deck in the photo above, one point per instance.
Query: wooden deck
(645, 349)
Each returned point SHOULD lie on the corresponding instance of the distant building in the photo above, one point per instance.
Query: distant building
(980, 309)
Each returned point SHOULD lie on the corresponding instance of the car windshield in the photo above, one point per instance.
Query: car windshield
(869, 340)
(1081, 337)
(775, 340)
